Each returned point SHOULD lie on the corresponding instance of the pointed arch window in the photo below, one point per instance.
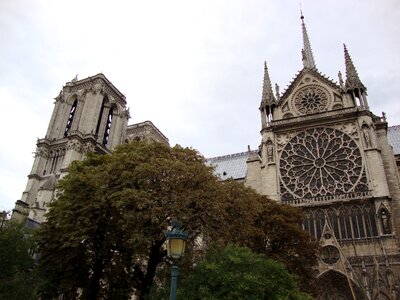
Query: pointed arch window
(344, 221)
(319, 223)
(108, 126)
(370, 221)
(100, 115)
(333, 219)
(357, 224)
(309, 224)
(385, 221)
(70, 118)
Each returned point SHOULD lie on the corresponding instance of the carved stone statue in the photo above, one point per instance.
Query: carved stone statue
(270, 152)
(367, 137)
(277, 91)
(341, 80)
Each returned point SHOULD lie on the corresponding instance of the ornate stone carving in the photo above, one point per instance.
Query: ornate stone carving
(282, 139)
(366, 135)
(350, 128)
(88, 147)
(311, 99)
(270, 151)
(97, 88)
(74, 145)
(60, 97)
(42, 152)
(321, 162)
(330, 254)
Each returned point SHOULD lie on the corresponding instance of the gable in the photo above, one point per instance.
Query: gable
(310, 93)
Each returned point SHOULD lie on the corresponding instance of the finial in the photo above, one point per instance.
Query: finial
(352, 79)
(307, 55)
(301, 12)
(341, 80)
(277, 91)
(267, 94)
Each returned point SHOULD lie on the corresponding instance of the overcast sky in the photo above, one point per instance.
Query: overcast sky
(194, 68)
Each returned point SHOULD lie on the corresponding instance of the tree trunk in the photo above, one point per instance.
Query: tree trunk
(154, 259)
(93, 289)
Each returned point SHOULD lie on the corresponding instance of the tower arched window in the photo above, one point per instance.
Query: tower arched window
(70, 118)
(100, 115)
(385, 221)
(108, 126)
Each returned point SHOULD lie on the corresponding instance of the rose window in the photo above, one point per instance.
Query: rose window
(310, 100)
(330, 254)
(320, 162)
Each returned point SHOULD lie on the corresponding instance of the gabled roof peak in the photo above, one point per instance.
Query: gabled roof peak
(324, 78)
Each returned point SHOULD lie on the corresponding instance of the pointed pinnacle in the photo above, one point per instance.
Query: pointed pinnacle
(267, 94)
(352, 79)
(307, 54)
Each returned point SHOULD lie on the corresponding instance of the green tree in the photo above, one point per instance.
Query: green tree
(280, 236)
(16, 264)
(237, 273)
(104, 235)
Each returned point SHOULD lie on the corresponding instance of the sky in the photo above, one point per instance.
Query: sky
(193, 68)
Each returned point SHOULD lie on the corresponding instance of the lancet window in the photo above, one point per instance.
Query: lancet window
(108, 126)
(356, 222)
(70, 118)
(100, 116)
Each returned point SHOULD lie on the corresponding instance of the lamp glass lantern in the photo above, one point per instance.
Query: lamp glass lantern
(176, 241)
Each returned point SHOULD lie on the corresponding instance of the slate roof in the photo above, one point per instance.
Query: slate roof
(394, 138)
(234, 165)
(230, 166)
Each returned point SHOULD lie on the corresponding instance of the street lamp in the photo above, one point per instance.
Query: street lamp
(176, 242)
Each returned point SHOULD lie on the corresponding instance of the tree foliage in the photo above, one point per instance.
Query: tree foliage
(105, 232)
(237, 273)
(16, 264)
(104, 235)
(281, 237)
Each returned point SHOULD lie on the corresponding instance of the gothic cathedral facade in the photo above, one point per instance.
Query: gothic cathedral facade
(90, 115)
(323, 150)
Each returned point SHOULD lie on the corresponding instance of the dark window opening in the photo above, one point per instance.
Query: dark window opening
(70, 118)
(108, 127)
(100, 117)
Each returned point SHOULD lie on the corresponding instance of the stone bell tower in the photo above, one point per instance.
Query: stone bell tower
(323, 150)
(89, 115)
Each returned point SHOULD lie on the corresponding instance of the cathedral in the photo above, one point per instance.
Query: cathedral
(321, 149)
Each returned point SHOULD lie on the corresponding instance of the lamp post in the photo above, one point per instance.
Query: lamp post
(176, 242)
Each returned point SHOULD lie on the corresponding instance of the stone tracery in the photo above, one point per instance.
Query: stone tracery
(311, 99)
(319, 162)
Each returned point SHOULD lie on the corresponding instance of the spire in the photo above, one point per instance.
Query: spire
(307, 55)
(268, 97)
(352, 79)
